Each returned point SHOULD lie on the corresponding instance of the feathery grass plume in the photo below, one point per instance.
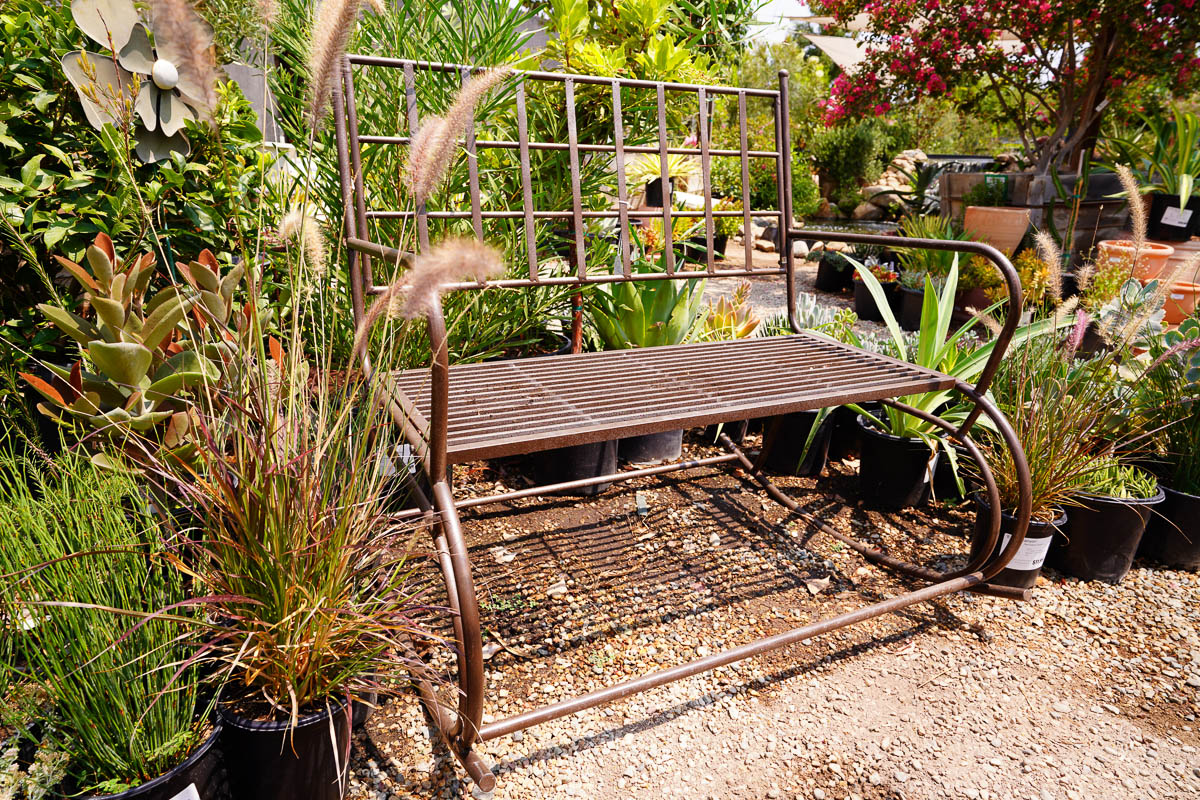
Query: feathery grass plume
(1048, 250)
(267, 11)
(433, 145)
(177, 22)
(376, 310)
(300, 226)
(987, 320)
(333, 23)
(377, 6)
(1137, 207)
(453, 259)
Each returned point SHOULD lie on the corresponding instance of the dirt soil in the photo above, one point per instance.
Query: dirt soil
(1089, 691)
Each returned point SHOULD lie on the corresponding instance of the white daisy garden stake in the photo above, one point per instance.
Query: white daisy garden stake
(148, 76)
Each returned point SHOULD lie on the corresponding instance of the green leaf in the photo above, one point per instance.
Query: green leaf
(124, 362)
(30, 170)
(73, 325)
(162, 320)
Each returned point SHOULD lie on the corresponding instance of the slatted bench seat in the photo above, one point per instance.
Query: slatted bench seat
(526, 405)
(451, 414)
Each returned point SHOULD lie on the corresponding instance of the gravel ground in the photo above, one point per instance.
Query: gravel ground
(1087, 691)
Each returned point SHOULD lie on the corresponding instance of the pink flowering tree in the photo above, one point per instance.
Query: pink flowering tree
(1052, 66)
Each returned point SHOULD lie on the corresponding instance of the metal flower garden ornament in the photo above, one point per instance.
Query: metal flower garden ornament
(155, 77)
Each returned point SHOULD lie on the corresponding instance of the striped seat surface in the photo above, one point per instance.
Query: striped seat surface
(525, 405)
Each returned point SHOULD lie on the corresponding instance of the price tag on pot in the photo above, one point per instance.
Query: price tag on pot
(1177, 217)
(189, 793)
(1031, 554)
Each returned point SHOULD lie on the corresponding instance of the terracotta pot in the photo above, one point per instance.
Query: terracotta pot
(1181, 302)
(1151, 260)
(1002, 228)
(1183, 252)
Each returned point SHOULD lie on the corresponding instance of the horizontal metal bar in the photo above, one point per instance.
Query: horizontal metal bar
(604, 214)
(766, 644)
(558, 77)
(504, 144)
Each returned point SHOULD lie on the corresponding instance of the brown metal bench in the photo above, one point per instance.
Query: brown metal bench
(451, 414)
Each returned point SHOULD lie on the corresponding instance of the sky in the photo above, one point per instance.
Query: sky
(775, 29)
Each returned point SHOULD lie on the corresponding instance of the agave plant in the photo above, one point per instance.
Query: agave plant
(144, 365)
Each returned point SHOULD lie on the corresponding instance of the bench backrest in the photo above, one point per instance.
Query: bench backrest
(363, 230)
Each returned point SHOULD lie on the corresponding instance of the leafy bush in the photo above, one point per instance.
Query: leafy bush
(847, 156)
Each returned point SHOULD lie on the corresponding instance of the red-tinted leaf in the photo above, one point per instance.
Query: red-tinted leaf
(81, 274)
(105, 244)
(276, 350)
(43, 388)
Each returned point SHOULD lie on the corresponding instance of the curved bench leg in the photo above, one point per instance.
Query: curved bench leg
(983, 563)
(459, 728)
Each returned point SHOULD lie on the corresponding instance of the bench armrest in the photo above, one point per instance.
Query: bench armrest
(1012, 283)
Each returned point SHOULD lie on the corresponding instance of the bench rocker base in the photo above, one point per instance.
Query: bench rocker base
(451, 414)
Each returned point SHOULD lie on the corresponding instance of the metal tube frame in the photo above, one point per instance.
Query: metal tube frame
(462, 725)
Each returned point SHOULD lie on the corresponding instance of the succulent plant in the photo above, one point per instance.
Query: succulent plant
(146, 368)
(731, 319)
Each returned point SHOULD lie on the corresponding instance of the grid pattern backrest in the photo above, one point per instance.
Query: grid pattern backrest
(361, 214)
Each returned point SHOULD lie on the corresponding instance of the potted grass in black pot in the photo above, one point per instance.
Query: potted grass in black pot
(1167, 394)
(1113, 503)
(123, 714)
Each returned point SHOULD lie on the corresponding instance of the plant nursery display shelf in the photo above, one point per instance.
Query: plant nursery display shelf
(451, 414)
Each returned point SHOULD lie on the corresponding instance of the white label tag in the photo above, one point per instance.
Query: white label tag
(1176, 296)
(189, 793)
(1177, 217)
(1031, 554)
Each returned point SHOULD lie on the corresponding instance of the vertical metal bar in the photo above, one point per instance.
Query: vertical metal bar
(622, 190)
(747, 221)
(787, 258)
(360, 193)
(665, 177)
(410, 99)
(473, 170)
(706, 179)
(576, 193)
(339, 129)
(526, 186)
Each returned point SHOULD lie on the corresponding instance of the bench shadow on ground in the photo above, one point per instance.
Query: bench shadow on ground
(706, 542)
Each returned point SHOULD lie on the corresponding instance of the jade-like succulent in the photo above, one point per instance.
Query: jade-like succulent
(150, 361)
(731, 319)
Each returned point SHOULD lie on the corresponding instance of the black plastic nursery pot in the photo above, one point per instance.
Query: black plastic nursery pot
(791, 432)
(651, 448)
(578, 462)
(864, 303)
(945, 487)
(834, 274)
(1102, 536)
(1171, 223)
(268, 760)
(893, 472)
(654, 192)
(846, 437)
(911, 302)
(1023, 571)
(1173, 534)
(201, 776)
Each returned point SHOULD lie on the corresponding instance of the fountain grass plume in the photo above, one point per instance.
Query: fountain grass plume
(333, 23)
(176, 21)
(452, 260)
(1050, 253)
(1137, 207)
(299, 226)
(433, 145)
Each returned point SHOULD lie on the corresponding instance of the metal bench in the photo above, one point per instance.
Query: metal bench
(451, 414)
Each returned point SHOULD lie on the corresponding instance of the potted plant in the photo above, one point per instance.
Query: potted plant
(644, 173)
(725, 320)
(912, 294)
(647, 314)
(899, 451)
(865, 304)
(834, 271)
(1114, 502)
(987, 217)
(124, 712)
(725, 227)
(1166, 159)
(1167, 395)
(1060, 407)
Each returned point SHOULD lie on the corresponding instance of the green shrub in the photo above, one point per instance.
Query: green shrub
(847, 156)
